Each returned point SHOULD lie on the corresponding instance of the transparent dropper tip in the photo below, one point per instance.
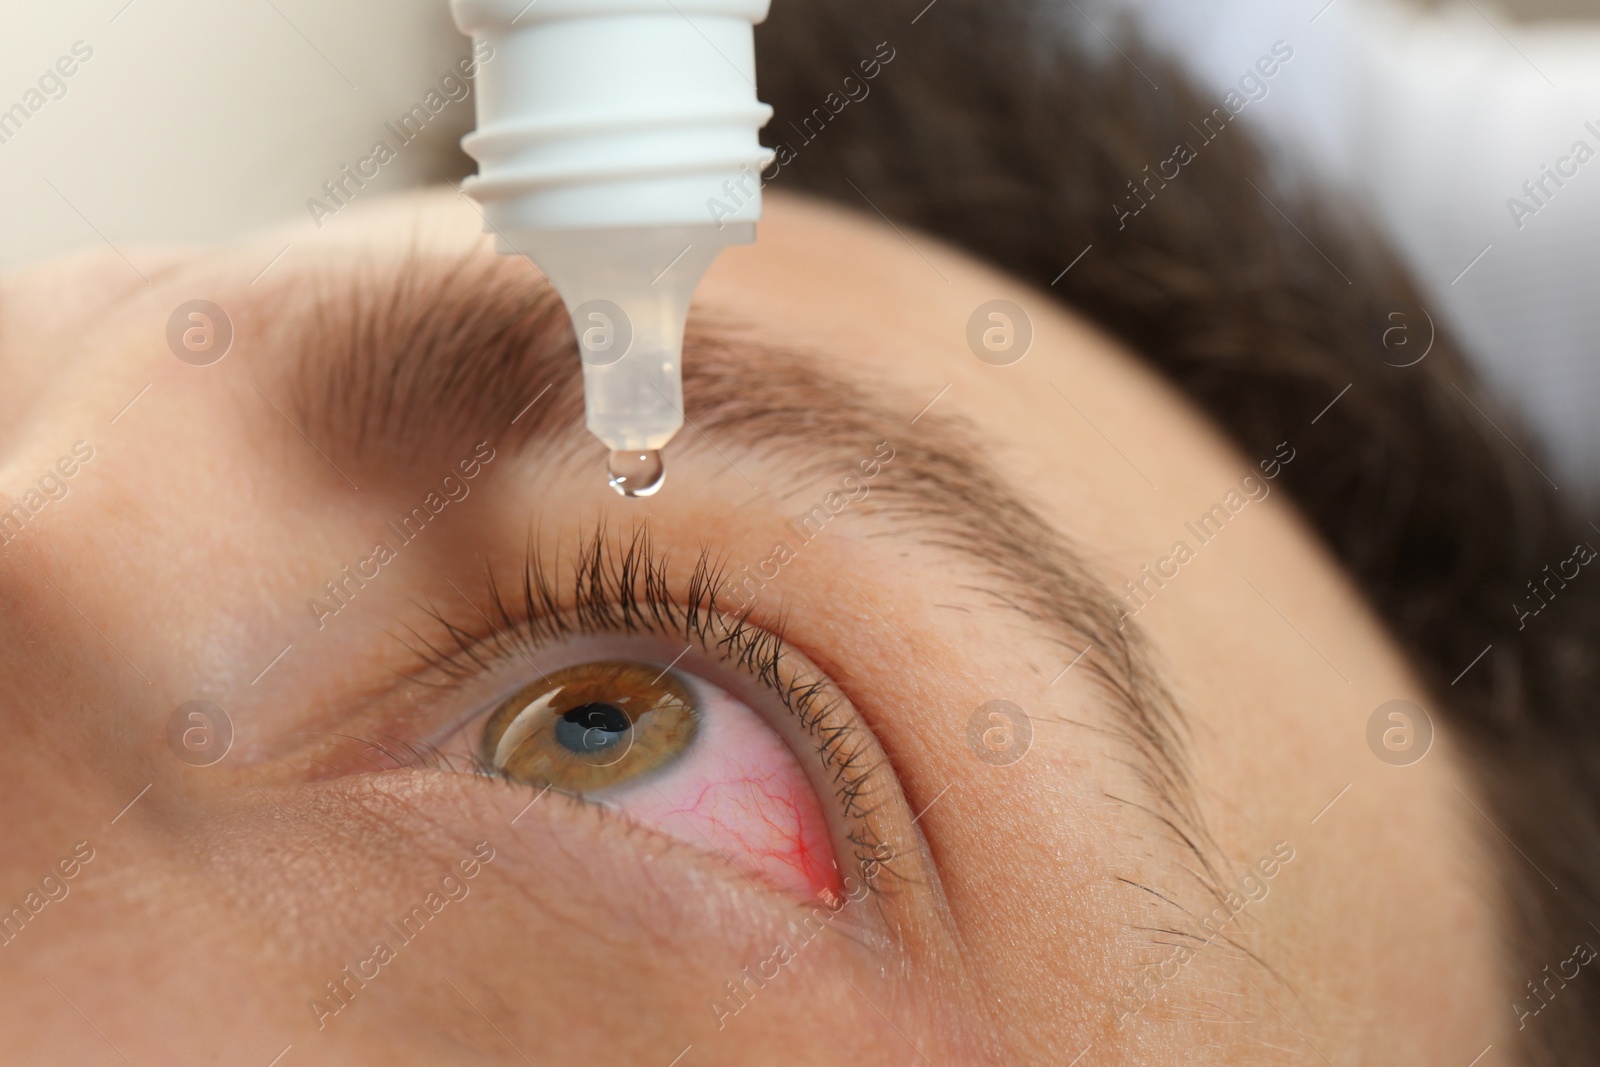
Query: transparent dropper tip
(628, 291)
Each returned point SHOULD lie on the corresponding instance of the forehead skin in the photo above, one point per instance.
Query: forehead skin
(178, 565)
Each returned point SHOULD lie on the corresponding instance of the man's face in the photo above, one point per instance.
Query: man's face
(960, 698)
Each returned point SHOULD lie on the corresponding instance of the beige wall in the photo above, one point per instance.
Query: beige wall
(194, 121)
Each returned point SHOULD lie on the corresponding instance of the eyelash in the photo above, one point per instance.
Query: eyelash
(622, 587)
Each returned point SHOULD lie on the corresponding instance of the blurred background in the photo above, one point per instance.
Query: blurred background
(195, 122)
(1540, 9)
(198, 121)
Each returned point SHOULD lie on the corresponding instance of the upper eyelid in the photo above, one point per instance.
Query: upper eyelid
(615, 586)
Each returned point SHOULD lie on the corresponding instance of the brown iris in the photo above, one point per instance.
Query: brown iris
(591, 726)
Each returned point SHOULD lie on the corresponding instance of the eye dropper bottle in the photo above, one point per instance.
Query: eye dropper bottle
(617, 148)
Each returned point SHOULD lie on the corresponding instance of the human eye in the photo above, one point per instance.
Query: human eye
(604, 683)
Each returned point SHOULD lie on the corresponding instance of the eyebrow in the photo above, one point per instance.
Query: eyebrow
(415, 359)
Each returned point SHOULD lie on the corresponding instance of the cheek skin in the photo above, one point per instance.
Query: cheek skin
(741, 792)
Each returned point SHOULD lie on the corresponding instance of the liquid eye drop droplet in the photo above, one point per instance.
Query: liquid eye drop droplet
(636, 474)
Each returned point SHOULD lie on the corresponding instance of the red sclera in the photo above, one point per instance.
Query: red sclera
(741, 793)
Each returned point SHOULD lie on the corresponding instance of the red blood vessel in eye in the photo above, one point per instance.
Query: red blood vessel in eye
(741, 792)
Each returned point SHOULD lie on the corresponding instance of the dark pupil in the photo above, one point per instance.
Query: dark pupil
(592, 727)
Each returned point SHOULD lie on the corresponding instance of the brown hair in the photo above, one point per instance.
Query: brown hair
(990, 127)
